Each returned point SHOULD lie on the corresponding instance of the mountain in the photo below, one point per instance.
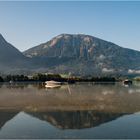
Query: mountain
(84, 55)
(11, 59)
(77, 54)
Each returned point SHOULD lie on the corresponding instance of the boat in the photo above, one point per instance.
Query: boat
(52, 84)
(127, 82)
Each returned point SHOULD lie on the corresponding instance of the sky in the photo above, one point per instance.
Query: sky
(29, 23)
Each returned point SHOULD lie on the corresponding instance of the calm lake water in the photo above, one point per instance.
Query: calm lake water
(84, 110)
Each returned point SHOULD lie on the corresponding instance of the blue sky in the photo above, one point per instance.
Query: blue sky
(27, 24)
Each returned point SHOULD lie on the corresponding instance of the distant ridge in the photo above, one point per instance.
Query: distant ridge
(76, 54)
(85, 54)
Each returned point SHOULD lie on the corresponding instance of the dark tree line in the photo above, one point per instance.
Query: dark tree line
(16, 78)
(56, 77)
(1, 79)
(44, 77)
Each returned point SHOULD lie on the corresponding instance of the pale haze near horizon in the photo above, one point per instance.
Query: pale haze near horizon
(27, 24)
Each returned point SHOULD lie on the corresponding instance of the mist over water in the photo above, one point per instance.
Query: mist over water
(82, 110)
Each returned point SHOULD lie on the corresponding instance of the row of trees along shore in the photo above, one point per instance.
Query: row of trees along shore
(46, 77)
(57, 77)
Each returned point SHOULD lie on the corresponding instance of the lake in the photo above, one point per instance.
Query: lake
(81, 110)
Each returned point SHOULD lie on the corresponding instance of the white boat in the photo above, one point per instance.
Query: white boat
(52, 86)
(53, 82)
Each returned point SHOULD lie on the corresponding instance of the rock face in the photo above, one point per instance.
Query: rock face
(77, 54)
(84, 54)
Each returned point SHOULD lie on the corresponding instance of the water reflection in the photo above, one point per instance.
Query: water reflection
(76, 119)
(35, 97)
(65, 119)
(5, 116)
(1, 84)
(84, 110)
(77, 124)
(22, 85)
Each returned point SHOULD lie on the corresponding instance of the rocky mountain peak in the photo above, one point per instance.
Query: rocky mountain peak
(78, 54)
(68, 45)
(84, 54)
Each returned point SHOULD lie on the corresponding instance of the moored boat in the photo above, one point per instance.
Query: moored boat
(127, 82)
(52, 84)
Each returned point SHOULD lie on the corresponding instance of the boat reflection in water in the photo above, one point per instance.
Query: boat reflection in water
(75, 111)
